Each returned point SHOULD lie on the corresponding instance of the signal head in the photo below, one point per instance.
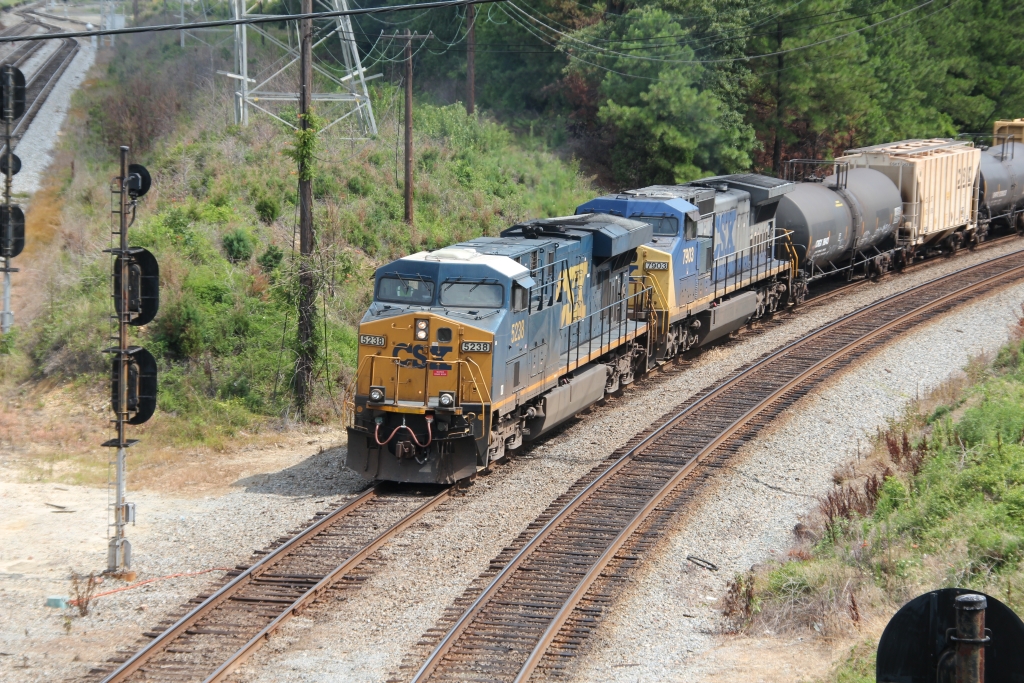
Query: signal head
(138, 181)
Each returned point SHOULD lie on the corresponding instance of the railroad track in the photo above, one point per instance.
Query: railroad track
(227, 626)
(40, 83)
(534, 609)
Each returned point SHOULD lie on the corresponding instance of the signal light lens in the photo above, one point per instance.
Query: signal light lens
(376, 394)
(422, 330)
(447, 400)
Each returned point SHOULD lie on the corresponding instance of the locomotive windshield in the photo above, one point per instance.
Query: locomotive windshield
(475, 294)
(405, 290)
(666, 226)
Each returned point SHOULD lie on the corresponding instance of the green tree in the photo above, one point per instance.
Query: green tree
(665, 127)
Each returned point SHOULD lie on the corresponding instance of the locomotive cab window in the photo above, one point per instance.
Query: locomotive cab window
(664, 226)
(472, 294)
(520, 298)
(405, 290)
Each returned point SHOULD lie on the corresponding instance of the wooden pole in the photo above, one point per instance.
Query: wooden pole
(408, 128)
(471, 60)
(307, 296)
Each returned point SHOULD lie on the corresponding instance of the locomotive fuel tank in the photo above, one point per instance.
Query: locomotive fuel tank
(827, 222)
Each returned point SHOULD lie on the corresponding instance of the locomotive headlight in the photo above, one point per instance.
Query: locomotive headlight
(377, 394)
(446, 399)
(422, 330)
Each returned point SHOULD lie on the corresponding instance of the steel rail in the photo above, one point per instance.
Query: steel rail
(509, 569)
(341, 570)
(592, 574)
(58, 62)
(230, 588)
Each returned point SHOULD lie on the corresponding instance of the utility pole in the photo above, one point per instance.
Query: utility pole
(135, 11)
(8, 116)
(408, 127)
(409, 37)
(12, 219)
(307, 297)
(471, 60)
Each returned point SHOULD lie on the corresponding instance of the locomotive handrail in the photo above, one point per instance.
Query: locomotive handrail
(794, 259)
(608, 329)
(649, 308)
(739, 275)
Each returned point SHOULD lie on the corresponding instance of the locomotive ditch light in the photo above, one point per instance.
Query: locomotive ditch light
(446, 399)
(377, 394)
(422, 330)
(12, 231)
(143, 285)
(142, 384)
(138, 181)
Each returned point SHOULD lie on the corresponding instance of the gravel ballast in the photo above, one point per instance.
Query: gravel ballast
(365, 638)
(748, 517)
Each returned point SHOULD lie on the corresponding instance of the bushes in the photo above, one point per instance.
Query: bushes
(238, 245)
(271, 259)
(268, 208)
(938, 503)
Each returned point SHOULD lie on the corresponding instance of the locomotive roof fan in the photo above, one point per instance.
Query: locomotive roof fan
(952, 635)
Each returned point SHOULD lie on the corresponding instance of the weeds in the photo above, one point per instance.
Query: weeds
(939, 501)
(225, 336)
(83, 588)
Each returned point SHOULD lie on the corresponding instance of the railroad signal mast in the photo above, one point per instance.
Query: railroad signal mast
(12, 218)
(133, 383)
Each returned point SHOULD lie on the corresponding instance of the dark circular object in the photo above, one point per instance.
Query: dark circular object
(915, 638)
(15, 164)
(12, 231)
(139, 180)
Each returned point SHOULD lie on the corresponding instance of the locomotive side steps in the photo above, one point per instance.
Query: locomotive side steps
(210, 641)
(533, 610)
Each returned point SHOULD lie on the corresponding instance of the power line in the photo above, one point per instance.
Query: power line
(598, 49)
(439, 4)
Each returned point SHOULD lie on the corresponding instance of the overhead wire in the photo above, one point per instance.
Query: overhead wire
(596, 48)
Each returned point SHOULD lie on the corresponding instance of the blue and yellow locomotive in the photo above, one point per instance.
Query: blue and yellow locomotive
(470, 350)
(712, 261)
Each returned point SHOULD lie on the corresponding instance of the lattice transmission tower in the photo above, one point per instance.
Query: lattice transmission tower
(342, 91)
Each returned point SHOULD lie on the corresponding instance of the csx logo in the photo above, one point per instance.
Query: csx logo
(419, 355)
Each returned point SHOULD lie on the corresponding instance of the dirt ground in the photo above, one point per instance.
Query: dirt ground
(51, 528)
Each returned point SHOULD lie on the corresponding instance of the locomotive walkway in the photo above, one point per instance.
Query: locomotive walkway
(532, 611)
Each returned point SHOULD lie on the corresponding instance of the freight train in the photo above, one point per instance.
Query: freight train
(469, 351)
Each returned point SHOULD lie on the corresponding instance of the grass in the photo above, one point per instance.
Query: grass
(939, 502)
(221, 219)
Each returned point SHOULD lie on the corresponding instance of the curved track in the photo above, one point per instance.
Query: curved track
(531, 612)
(40, 83)
(233, 622)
